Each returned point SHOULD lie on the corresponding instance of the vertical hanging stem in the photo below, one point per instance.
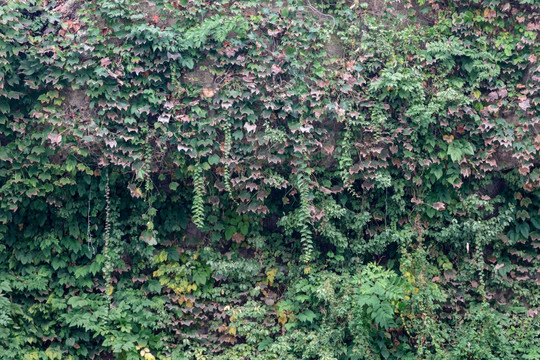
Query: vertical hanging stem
(107, 271)
(150, 237)
(305, 218)
(198, 197)
(226, 153)
(91, 247)
(479, 260)
(346, 161)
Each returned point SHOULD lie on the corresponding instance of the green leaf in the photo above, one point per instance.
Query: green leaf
(307, 316)
(536, 222)
(213, 160)
(187, 62)
(438, 172)
(229, 232)
(4, 286)
(77, 302)
(524, 229)
(154, 286)
(53, 353)
(454, 152)
(244, 228)
(289, 51)
(200, 277)
(172, 254)
(4, 106)
(148, 237)
(74, 229)
(57, 262)
(238, 135)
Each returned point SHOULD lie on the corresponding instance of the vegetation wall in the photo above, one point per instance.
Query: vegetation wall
(316, 179)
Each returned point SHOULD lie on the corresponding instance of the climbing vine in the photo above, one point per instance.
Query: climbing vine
(226, 153)
(264, 179)
(198, 196)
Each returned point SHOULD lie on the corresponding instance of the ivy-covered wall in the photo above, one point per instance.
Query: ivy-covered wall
(316, 179)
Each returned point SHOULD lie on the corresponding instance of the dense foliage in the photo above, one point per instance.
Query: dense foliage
(324, 179)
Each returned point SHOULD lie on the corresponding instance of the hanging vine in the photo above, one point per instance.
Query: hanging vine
(108, 267)
(345, 160)
(197, 207)
(226, 153)
(89, 240)
(306, 235)
(149, 235)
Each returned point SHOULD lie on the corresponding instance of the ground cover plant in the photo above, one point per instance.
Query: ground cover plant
(317, 179)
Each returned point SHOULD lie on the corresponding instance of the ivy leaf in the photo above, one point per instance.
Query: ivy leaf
(4, 106)
(213, 160)
(250, 128)
(244, 228)
(525, 104)
(524, 229)
(229, 232)
(207, 92)
(289, 51)
(154, 286)
(148, 237)
(187, 62)
(439, 206)
(238, 135)
(74, 229)
(536, 222)
(200, 277)
(438, 172)
(457, 149)
(238, 238)
(455, 153)
(55, 138)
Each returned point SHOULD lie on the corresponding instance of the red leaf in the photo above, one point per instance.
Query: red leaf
(105, 62)
(439, 206)
(275, 69)
(525, 104)
(238, 238)
(329, 149)
(55, 138)
(208, 92)
(250, 128)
